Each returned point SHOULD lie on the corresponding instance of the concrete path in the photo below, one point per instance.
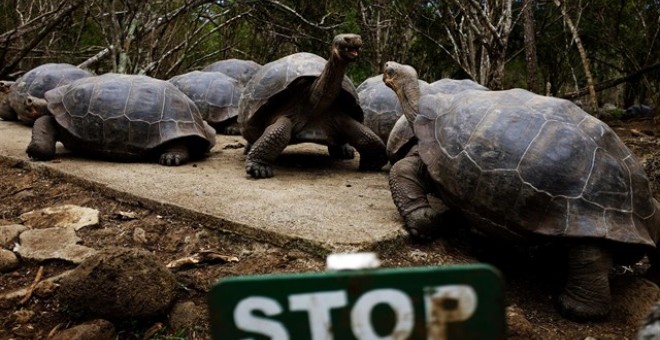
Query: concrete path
(314, 202)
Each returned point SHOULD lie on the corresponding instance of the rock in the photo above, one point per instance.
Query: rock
(10, 232)
(63, 216)
(92, 330)
(139, 236)
(119, 284)
(184, 315)
(517, 324)
(8, 260)
(633, 298)
(52, 243)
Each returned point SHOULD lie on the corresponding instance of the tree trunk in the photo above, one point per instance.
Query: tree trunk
(530, 44)
(593, 100)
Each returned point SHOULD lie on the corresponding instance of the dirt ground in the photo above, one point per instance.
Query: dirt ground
(530, 282)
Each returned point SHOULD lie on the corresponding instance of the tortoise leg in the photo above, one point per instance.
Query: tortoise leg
(410, 185)
(175, 154)
(44, 138)
(266, 149)
(586, 295)
(6, 112)
(370, 147)
(344, 151)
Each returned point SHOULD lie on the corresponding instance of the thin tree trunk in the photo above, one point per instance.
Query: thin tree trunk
(530, 44)
(593, 100)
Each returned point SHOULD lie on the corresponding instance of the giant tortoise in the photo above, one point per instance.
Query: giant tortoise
(35, 83)
(305, 98)
(524, 168)
(216, 96)
(122, 118)
(239, 69)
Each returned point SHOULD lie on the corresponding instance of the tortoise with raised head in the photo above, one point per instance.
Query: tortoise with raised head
(35, 83)
(122, 118)
(527, 168)
(305, 98)
(216, 96)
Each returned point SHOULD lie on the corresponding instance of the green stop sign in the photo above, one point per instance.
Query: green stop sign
(451, 302)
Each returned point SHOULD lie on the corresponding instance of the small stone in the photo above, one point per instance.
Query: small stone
(139, 236)
(53, 243)
(184, 315)
(8, 260)
(10, 232)
(63, 216)
(98, 329)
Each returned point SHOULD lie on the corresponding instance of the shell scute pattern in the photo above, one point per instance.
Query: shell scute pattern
(215, 94)
(126, 114)
(507, 155)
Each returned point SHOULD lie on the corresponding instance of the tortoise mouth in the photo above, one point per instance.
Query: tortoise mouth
(350, 52)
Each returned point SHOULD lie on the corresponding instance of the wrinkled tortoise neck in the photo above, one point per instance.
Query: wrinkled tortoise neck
(327, 86)
(408, 95)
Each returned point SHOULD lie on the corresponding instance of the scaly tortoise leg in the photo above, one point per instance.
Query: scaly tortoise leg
(267, 148)
(586, 295)
(409, 185)
(44, 138)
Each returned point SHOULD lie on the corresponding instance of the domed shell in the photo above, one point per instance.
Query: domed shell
(215, 94)
(271, 86)
(451, 86)
(239, 69)
(516, 163)
(39, 80)
(127, 115)
(401, 136)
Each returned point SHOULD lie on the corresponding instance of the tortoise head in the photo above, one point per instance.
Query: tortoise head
(347, 46)
(5, 85)
(405, 83)
(36, 106)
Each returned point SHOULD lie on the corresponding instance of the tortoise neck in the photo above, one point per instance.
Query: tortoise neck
(409, 98)
(326, 87)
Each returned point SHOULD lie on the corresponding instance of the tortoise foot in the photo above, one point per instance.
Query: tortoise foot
(173, 158)
(577, 309)
(40, 152)
(258, 170)
(343, 151)
(423, 224)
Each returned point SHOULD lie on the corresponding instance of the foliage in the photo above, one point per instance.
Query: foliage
(454, 38)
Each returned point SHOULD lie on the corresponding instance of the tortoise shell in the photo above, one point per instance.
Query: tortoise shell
(215, 94)
(280, 81)
(520, 164)
(401, 137)
(39, 80)
(239, 69)
(126, 116)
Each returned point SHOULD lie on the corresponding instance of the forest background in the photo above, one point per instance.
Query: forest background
(604, 53)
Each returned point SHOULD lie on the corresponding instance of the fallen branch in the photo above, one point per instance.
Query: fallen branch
(30, 289)
(204, 256)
